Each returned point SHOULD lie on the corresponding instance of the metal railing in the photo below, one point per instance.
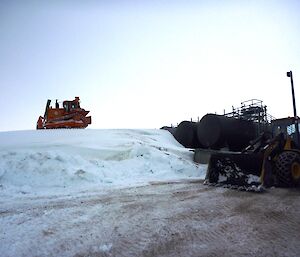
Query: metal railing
(252, 110)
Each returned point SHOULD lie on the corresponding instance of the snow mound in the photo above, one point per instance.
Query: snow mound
(65, 161)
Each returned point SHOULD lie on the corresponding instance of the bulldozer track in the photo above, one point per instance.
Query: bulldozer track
(162, 219)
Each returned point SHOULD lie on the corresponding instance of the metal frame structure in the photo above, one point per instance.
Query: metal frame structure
(252, 110)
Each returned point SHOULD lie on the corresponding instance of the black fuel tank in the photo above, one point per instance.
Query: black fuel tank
(218, 131)
(186, 134)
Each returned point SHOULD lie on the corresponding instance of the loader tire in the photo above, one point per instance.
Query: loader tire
(287, 168)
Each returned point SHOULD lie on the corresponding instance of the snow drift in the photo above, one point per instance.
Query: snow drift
(63, 161)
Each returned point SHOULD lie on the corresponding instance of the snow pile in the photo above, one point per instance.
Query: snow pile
(64, 161)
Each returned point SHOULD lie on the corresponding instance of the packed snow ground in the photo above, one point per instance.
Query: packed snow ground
(52, 162)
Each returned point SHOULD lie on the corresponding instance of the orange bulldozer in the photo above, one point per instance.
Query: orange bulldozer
(70, 115)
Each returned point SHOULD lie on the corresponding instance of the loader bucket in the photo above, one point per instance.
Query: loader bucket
(235, 170)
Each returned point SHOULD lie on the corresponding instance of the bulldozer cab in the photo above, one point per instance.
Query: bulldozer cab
(71, 105)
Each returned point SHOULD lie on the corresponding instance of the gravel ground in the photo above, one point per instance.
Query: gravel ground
(163, 219)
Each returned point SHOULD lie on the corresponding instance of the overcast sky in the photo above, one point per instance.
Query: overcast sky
(146, 64)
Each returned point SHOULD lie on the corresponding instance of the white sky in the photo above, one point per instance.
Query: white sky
(146, 64)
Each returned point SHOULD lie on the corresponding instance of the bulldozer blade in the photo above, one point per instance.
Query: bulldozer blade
(235, 170)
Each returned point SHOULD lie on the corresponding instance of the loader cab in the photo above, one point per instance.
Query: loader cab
(285, 126)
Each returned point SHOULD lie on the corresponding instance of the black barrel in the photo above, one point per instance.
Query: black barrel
(218, 131)
(186, 134)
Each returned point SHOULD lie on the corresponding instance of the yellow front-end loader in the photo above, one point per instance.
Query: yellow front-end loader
(273, 159)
